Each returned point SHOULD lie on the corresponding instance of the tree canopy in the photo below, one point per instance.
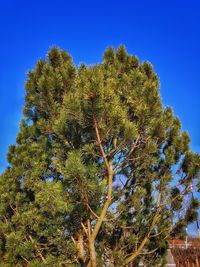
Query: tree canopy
(102, 173)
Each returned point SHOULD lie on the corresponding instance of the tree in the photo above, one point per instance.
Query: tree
(101, 171)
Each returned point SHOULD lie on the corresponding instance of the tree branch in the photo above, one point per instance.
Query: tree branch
(125, 161)
(37, 249)
(110, 179)
(95, 215)
(104, 210)
(85, 230)
(100, 145)
(134, 255)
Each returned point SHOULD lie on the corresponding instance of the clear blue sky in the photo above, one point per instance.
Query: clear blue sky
(167, 33)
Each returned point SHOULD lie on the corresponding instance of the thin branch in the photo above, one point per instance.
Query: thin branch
(89, 228)
(159, 233)
(135, 254)
(100, 144)
(5, 219)
(173, 199)
(84, 228)
(131, 151)
(24, 259)
(109, 194)
(104, 210)
(38, 251)
(92, 211)
(73, 240)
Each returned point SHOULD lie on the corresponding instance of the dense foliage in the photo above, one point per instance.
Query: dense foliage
(101, 171)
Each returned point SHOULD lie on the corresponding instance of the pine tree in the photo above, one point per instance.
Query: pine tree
(101, 170)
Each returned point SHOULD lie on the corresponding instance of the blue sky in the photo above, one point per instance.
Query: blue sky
(166, 33)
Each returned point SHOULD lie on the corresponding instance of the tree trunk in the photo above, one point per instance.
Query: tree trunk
(81, 252)
(93, 261)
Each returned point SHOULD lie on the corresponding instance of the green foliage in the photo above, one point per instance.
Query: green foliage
(56, 185)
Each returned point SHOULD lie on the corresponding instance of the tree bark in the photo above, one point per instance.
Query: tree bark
(93, 260)
(81, 252)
